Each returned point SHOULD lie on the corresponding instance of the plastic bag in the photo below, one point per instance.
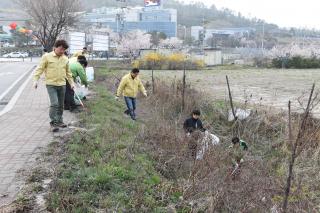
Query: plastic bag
(207, 141)
(241, 114)
(90, 74)
(81, 91)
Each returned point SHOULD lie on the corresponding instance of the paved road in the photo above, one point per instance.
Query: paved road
(12, 76)
(10, 72)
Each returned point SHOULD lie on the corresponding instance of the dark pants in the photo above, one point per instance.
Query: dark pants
(69, 103)
(131, 105)
(193, 143)
(56, 95)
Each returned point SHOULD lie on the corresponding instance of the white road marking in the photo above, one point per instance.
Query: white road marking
(12, 86)
(16, 96)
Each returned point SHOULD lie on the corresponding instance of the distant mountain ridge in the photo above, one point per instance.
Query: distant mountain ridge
(195, 14)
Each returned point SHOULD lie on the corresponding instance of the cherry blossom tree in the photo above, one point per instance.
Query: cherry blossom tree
(131, 42)
(293, 49)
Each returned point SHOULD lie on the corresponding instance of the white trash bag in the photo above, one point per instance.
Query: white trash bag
(207, 141)
(90, 73)
(241, 114)
(81, 91)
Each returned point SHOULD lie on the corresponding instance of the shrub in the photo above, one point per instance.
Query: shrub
(296, 62)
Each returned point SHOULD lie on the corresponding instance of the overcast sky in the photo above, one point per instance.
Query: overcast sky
(285, 13)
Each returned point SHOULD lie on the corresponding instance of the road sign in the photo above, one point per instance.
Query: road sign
(100, 43)
(77, 41)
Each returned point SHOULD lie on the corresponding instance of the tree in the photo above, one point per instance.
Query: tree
(49, 18)
(20, 39)
(156, 37)
(130, 43)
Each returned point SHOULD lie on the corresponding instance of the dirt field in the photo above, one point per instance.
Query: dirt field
(269, 87)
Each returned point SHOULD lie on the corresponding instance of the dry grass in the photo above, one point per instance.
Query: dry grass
(207, 185)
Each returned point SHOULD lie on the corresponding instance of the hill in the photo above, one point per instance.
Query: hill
(198, 14)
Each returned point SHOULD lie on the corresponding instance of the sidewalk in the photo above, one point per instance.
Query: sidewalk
(23, 130)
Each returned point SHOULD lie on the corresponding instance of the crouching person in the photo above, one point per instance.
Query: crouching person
(193, 128)
(238, 150)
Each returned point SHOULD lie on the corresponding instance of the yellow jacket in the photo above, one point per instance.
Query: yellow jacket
(78, 53)
(129, 87)
(55, 68)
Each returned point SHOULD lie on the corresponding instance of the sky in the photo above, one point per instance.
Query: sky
(285, 13)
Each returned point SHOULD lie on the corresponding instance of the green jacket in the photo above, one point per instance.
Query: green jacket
(78, 70)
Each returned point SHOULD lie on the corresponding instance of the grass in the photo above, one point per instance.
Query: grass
(108, 169)
(115, 168)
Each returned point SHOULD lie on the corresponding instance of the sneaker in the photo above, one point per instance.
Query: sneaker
(62, 125)
(54, 127)
(76, 110)
(126, 114)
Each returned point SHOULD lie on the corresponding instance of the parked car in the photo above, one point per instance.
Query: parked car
(15, 55)
(8, 45)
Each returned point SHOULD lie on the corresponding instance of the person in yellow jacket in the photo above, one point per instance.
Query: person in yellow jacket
(129, 87)
(55, 66)
(83, 52)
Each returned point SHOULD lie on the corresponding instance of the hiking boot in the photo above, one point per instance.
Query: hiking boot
(61, 125)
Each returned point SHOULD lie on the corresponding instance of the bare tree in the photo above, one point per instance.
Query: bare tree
(294, 146)
(49, 18)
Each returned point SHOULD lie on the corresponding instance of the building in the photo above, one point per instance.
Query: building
(126, 19)
(197, 31)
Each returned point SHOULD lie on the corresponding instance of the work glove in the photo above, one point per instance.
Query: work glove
(188, 134)
(241, 161)
(72, 86)
(145, 94)
(117, 98)
(35, 84)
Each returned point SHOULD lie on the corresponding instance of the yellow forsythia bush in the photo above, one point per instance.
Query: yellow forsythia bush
(174, 61)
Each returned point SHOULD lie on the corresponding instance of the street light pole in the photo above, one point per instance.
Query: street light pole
(262, 42)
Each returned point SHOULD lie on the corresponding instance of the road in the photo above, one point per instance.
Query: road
(12, 75)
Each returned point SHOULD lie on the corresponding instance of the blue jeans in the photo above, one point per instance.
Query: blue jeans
(131, 105)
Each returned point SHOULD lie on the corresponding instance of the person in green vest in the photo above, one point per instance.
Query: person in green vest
(78, 70)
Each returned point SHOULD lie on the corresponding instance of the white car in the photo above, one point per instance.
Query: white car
(8, 45)
(15, 55)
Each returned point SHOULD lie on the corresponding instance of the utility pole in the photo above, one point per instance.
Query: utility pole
(120, 17)
(204, 34)
(262, 42)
